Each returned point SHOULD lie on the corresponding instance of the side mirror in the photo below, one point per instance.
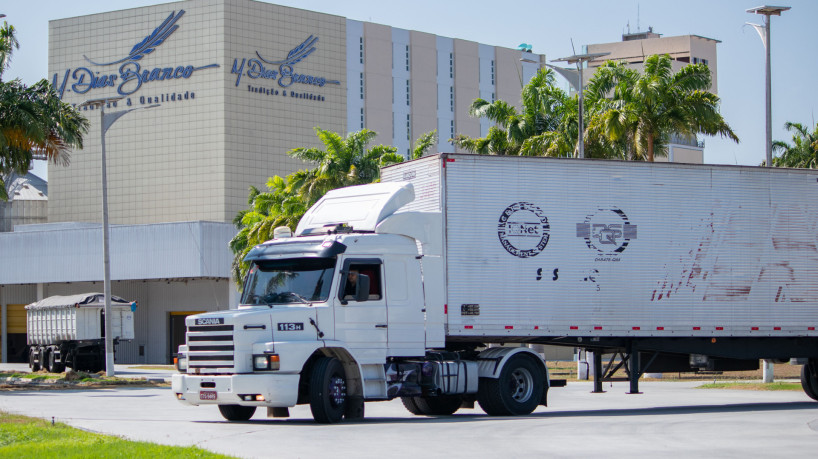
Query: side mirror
(362, 288)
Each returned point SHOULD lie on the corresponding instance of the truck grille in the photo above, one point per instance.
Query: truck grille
(210, 348)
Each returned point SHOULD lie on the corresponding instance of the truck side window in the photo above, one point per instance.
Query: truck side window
(373, 271)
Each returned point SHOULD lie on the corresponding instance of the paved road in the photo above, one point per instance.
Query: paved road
(667, 419)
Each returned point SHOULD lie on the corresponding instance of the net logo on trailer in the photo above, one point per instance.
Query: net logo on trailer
(523, 230)
(608, 231)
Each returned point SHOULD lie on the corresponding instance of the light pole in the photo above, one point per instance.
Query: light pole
(106, 120)
(580, 60)
(764, 33)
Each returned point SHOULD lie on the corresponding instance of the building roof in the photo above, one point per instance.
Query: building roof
(178, 250)
(27, 187)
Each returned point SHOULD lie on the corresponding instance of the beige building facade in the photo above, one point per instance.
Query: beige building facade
(234, 85)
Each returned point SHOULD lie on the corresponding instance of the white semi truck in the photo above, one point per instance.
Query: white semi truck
(675, 267)
(69, 331)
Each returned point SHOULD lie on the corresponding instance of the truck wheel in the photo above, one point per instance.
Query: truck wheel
(809, 379)
(33, 360)
(328, 390)
(442, 405)
(517, 391)
(411, 406)
(237, 412)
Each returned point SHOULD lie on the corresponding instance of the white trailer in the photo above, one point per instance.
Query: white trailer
(675, 267)
(69, 330)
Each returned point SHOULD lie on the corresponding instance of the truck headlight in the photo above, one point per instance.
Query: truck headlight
(266, 362)
(181, 362)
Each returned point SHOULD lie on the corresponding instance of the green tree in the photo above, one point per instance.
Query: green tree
(804, 149)
(546, 125)
(33, 120)
(344, 161)
(642, 110)
(423, 144)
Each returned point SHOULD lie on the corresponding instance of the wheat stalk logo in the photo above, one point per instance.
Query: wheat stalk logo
(151, 42)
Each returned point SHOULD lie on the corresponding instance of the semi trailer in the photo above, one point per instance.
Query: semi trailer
(69, 331)
(430, 285)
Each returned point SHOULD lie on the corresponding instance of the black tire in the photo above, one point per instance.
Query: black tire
(516, 392)
(328, 390)
(442, 405)
(45, 358)
(33, 361)
(411, 406)
(809, 379)
(237, 412)
(53, 365)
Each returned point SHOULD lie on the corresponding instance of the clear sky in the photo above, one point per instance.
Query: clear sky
(550, 26)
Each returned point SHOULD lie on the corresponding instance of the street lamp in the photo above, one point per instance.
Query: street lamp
(764, 33)
(106, 120)
(580, 60)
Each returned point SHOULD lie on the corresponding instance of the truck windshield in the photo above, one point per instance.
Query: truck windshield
(301, 280)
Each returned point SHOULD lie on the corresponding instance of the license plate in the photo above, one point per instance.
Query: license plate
(207, 395)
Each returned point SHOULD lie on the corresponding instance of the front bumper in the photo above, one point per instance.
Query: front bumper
(278, 390)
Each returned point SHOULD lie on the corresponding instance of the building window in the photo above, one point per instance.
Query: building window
(362, 50)
(451, 98)
(451, 131)
(492, 74)
(451, 65)
(407, 58)
(362, 86)
(362, 117)
(408, 128)
(408, 99)
(492, 99)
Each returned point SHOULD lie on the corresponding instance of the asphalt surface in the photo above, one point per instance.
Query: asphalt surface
(667, 419)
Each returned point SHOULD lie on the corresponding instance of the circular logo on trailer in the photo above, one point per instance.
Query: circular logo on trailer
(607, 231)
(523, 229)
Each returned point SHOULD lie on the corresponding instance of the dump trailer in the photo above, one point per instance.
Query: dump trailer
(69, 331)
(430, 285)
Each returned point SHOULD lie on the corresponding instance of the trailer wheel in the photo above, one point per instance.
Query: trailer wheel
(442, 405)
(328, 390)
(237, 412)
(516, 392)
(33, 360)
(809, 379)
(54, 365)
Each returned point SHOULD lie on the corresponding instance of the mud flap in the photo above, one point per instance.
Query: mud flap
(354, 408)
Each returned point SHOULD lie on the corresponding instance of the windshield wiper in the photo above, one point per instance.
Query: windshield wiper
(279, 298)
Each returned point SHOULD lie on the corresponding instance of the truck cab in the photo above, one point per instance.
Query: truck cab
(348, 310)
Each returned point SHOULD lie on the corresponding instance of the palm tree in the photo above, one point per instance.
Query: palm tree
(545, 126)
(804, 149)
(343, 162)
(643, 110)
(423, 144)
(33, 120)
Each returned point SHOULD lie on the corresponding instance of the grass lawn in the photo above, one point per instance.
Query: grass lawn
(21, 436)
(76, 379)
(753, 386)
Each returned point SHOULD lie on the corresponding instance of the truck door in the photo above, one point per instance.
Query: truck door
(362, 324)
(404, 307)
